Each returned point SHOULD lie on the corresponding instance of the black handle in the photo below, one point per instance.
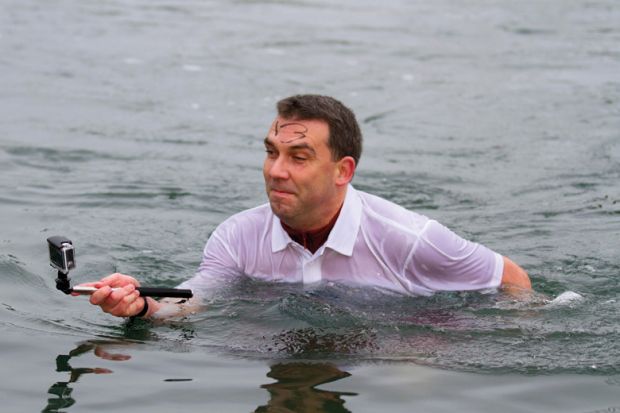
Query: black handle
(164, 292)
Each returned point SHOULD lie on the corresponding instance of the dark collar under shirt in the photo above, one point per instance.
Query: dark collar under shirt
(311, 240)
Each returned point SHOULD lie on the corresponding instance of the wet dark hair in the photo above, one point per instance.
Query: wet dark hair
(345, 136)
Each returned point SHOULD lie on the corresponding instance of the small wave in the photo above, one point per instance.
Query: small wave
(254, 319)
(464, 331)
(56, 157)
(567, 298)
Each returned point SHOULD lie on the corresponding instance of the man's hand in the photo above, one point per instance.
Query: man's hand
(124, 300)
(514, 278)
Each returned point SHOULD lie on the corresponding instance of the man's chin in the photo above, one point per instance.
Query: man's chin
(280, 210)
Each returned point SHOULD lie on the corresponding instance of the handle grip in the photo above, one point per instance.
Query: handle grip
(144, 291)
(164, 292)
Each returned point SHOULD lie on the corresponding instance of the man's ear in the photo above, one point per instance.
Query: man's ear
(345, 170)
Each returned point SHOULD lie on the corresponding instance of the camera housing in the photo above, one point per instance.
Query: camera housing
(62, 253)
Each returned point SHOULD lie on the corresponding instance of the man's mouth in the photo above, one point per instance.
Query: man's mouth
(280, 191)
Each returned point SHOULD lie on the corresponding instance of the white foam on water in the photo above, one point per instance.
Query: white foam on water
(566, 298)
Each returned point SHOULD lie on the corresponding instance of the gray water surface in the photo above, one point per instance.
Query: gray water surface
(134, 128)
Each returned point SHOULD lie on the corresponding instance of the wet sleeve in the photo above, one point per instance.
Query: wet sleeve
(443, 261)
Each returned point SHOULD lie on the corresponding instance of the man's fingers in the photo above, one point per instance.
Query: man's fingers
(129, 305)
(112, 300)
(111, 277)
(117, 295)
(134, 303)
(99, 296)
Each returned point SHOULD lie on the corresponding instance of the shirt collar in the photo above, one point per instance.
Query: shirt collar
(279, 238)
(341, 238)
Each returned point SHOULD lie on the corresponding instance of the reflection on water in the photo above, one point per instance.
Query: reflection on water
(63, 389)
(295, 389)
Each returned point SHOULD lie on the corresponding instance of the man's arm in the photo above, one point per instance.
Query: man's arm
(514, 278)
(125, 300)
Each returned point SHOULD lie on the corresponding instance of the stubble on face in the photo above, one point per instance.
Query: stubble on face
(281, 191)
(295, 187)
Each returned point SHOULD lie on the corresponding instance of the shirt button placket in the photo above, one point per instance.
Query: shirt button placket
(312, 270)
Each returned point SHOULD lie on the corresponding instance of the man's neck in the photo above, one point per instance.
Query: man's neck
(312, 239)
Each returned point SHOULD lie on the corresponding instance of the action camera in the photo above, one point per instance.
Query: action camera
(62, 253)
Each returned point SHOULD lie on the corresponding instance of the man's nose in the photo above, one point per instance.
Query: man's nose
(278, 168)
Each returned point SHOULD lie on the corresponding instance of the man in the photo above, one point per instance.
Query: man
(318, 227)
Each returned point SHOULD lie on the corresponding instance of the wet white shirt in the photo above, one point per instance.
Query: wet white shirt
(374, 242)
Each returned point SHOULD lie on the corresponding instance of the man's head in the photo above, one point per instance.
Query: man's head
(345, 136)
(311, 158)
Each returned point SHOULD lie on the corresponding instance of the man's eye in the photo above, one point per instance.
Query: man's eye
(299, 158)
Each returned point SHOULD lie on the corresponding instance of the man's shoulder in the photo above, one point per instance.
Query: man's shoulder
(257, 216)
(376, 208)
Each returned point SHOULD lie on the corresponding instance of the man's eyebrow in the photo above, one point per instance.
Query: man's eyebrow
(297, 147)
(302, 146)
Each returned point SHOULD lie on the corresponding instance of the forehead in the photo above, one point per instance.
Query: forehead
(289, 131)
